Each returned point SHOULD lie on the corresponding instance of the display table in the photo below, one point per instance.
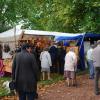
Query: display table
(8, 65)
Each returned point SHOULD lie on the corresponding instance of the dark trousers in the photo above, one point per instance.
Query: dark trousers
(60, 66)
(53, 68)
(26, 95)
(97, 76)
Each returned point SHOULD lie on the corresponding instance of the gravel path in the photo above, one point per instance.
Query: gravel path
(84, 91)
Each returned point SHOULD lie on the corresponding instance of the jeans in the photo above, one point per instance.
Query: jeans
(91, 68)
(26, 95)
(97, 76)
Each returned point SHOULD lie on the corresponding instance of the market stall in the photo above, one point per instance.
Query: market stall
(77, 44)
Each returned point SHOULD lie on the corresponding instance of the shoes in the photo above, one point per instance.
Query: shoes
(74, 85)
(91, 77)
(67, 85)
(36, 95)
(97, 93)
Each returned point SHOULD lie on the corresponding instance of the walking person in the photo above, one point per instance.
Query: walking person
(53, 54)
(24, 73)
(45, 59)
(70, 67)
(90, 62)
(96, 63)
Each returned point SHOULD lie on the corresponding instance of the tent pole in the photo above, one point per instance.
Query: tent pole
(15, 36)
(82, 41)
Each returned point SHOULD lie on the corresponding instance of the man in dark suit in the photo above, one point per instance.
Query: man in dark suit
(25, 73)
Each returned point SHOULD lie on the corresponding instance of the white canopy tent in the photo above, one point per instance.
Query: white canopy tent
(14, 34)
(17, 32)
(10, 33)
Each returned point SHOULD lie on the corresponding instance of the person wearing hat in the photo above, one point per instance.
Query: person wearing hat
(96, 63)
(25, 73)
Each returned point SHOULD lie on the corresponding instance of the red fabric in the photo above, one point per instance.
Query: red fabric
(1, 68)
(1, 65)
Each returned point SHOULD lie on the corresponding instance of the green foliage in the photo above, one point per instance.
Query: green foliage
(55, 78)
(51, 15)
(3, 91)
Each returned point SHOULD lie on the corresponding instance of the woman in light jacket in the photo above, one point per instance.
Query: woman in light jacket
(45, 59)
(70, 66)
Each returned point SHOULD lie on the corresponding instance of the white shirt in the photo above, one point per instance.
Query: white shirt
(90, 54)
(70, 61)
(45, 59)
(6, 55)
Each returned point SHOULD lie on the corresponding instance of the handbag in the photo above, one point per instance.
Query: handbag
(12, 85)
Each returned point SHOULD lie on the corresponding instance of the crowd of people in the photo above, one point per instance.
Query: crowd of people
(50, 59)
(30, 61)
(57, 54)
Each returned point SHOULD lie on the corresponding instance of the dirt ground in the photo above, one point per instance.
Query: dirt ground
(59, 91)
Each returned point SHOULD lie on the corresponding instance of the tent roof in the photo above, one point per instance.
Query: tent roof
(10, 33)
(58, 35)
(69, 37)
(77, 36)
(92, 35)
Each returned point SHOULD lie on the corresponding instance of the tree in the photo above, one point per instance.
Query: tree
(86, 15)
(5, 14)
(51, 15)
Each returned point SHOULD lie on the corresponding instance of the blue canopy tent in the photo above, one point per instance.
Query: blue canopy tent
(80, 43)
(92, 35)
(68, 37)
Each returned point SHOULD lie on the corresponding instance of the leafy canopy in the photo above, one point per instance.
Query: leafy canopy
(51, 15)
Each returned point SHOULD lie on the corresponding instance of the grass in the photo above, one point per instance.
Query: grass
(55, 79)
(3, 91)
